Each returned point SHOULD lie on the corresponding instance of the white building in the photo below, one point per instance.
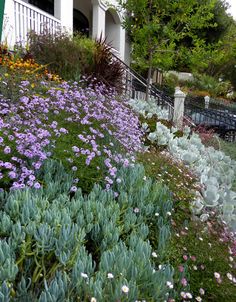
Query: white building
(92, 17)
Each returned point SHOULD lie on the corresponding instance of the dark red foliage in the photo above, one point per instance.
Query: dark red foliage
(205, 133)
(107, 69)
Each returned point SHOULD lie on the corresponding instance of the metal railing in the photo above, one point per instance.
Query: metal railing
(135, 88)
(221, 120)
(217, 116)
(30, 18)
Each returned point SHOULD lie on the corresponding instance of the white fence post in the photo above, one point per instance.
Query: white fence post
(178, 108)
(207, 101)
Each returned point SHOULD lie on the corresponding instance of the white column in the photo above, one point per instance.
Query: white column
(122, 43)
(63, 10)
(8, 34)
(99, 19)
(179, 108)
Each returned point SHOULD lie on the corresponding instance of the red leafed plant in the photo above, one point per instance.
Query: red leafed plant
(205, 133)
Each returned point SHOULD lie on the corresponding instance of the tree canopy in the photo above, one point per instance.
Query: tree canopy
(175, 34)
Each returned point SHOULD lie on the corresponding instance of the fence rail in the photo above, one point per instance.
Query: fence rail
(135, 87)
(29, 17)
(223, 122)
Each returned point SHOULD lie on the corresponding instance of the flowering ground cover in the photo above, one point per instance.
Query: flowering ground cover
(82, 127)
(202, 247)
(198, 250)
(81, 218)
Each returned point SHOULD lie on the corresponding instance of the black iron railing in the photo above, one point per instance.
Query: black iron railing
(195, 113)
(135, 87)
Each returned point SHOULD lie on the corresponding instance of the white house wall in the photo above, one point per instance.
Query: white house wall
(63, 10)
(112, 31)
(8, 34)
(103, 19)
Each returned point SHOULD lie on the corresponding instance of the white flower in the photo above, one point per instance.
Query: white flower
(189, 296)
(154, 254)
(183, 294)
(199, 299)
(160, 266)
(84, 275)
(231, 259)
(125, 289)
(93, 300)
(110, 276)
(195, 267)
(201, 291)
(169, 284)
(217, 275)
(168, 213)
(157, 214)
(230, 277)
(136, 210)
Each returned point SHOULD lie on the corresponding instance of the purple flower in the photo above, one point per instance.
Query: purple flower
(75, 149)
(7, 150)
(37, 165)
(37, 185)
(12, 174)
(32, 177)
(32, 131)
(73, 189)
(63, 130)
(109, 180)
(8, 165)
(25, 83)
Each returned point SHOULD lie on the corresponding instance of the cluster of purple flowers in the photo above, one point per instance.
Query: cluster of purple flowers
(30, 128)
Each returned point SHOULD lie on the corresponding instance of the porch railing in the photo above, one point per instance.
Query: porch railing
(28, 17)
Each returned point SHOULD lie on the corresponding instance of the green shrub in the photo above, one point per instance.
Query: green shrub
(70, 58)
(79, 56)
(169, 83)
(208, 83)
(59, 247)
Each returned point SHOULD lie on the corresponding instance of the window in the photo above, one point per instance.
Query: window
(45, 5)
(80, 23)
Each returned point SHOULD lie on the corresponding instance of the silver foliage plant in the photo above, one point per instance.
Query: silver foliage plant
(61, 246)
(215, 170)
(148, 109)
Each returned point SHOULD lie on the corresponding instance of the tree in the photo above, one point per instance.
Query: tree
(222, 63)
(161, 30)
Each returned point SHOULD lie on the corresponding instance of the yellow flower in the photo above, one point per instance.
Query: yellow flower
(6, 74)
